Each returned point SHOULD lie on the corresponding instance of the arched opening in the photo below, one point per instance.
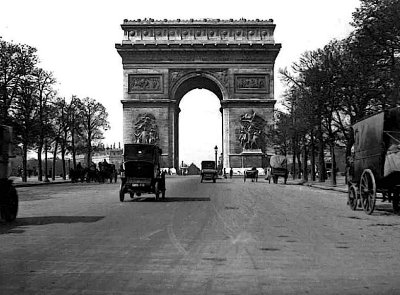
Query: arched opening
(200, 127)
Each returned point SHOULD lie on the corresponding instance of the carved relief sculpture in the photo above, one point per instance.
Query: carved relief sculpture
(146, 130)
(247, 83)
(251, 133)
(145, 83)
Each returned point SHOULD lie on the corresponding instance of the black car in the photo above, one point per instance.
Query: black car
(140, 172)
(208, 171)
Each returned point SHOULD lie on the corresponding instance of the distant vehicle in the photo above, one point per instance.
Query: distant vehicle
(208, 171)
(141, 172)
(8, 193)
(376, 161)
(278, 168)
(252, 174)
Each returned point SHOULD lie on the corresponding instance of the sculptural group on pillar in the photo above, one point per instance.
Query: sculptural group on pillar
(146, 129)
(251, 133)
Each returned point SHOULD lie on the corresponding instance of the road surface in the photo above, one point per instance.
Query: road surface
(231, 237)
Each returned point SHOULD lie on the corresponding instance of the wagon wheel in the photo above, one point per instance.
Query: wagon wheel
(395, 202)
(157, 190)
(352, 197)
(368, 191)
(121, 193)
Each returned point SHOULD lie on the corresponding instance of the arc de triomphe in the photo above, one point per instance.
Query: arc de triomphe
(164, 60)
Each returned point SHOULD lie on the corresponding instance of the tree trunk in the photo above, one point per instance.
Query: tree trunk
(46, 179)
(53, 174)
(312, 156)
(73, 148)
(294, 161)
(64, 172)
(305, 160)
(89, 149)
(40, 167)
(24, 163)
(321, 160)
(299, 163)
(333, 159)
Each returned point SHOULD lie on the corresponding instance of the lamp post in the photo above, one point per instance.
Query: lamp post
(216, 152)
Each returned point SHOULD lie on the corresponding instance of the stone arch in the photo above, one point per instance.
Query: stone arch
(189, 81)
(198, 79)
(164, 59)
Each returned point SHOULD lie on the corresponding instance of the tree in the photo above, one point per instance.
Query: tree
(25, 119)
(94, 121)
(15, 62)
(377, 34)
(45, 93)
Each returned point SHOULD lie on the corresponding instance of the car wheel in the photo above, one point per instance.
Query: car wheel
(9, 210)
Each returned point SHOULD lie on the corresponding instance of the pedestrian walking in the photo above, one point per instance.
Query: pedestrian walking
(230, 173)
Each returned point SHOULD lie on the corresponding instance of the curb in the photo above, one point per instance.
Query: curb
(337, 189)
(24, 184)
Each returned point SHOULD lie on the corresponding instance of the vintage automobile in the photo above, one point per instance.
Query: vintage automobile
(375, 162)
(140, 172)
(208, 171)
(8, 193)
(251, 173)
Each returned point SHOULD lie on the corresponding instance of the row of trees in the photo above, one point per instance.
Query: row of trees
(331, 88)
(42, 121)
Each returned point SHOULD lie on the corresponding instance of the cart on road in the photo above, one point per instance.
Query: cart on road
(252, 174)
(278, 165)
(375, 167)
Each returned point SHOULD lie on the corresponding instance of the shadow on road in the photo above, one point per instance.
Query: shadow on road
(173, 199)
(13, 228)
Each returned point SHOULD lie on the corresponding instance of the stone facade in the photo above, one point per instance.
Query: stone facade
(163, 60)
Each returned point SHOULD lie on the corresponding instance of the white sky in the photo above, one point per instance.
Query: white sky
(75, 40)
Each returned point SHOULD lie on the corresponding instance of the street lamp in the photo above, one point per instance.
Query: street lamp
(216, 152)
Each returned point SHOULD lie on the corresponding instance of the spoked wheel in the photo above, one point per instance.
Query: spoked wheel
(121, 193)
(395, 202)
(157, 190)
(352, 197)
(368, 191)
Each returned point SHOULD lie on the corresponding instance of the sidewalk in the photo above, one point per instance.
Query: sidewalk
(327, 185)
(17, 181)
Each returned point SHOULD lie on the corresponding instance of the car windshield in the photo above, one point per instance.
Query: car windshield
(139, 152)
(208, 165)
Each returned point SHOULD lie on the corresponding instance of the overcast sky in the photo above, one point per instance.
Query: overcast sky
(75, 40)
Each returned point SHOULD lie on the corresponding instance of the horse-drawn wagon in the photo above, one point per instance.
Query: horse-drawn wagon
(375, 166)
(141, 171)
(251, 173)
(278, 165)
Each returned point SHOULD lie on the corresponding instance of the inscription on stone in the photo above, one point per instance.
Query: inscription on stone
(145, 83)
(251, 83)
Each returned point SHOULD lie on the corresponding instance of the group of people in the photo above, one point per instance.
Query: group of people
(100, 173)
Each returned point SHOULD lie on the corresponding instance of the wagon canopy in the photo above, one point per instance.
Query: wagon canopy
(373, 137)
(278, 161)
